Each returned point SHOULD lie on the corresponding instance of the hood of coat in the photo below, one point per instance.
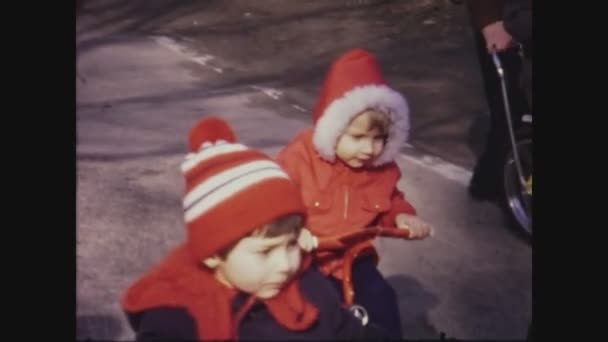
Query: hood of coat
(354, 84)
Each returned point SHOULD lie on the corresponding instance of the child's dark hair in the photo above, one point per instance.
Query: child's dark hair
(379, 119)
(288, 224)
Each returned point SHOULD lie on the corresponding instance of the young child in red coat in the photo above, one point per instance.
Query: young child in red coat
(346, 171)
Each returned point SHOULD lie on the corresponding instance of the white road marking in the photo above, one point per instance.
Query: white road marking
(439, 166)
(299, 108)
(183, 51)
(270, 92)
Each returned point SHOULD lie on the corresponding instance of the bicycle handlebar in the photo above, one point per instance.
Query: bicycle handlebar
(342, 241)
(345, 241)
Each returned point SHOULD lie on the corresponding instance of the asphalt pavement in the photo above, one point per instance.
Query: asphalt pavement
(137, 96)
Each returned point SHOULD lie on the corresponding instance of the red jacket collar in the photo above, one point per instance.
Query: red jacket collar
(178, 281)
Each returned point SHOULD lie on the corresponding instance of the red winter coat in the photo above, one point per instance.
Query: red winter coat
(339, 198)
(179, 282)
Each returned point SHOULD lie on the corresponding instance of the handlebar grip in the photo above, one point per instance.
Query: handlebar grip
(328, 244)
(341, 241)
(394, 232)
(497, 64)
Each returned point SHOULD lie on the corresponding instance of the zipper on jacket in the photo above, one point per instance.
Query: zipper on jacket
(345, 202)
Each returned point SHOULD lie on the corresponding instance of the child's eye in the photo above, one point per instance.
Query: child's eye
(265, 251)
(380, 138)
(358, 136)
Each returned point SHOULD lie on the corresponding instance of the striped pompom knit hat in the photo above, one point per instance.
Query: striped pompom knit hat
(231, 190)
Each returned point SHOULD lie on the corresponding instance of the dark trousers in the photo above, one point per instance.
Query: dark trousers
(375, 294)
(487, 169)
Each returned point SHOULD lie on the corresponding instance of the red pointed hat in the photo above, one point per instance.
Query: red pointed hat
(231, 189)
(353, 84)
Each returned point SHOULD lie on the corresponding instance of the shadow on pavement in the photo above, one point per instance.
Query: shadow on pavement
(415, 302)
(99, 327)
(507, 314)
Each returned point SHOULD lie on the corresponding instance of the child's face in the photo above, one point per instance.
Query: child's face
(359, 145)
(260, 265)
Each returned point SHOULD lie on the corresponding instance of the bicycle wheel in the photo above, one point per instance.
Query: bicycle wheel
(518, 196)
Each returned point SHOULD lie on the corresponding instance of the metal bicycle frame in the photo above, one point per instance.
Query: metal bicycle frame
(501, 74)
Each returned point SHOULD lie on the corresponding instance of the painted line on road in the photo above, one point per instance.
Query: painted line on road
(270, 92)
(439, 166)
(301, 109)
(183, 51)
(172, 45)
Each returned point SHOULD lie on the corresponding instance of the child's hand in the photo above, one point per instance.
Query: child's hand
(418, 228)
(307, 241)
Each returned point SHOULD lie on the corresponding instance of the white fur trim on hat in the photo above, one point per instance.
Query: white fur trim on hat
(341, 111)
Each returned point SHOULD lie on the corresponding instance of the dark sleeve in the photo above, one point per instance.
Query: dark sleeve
(485, 12)
(166, 324)
(518, 19)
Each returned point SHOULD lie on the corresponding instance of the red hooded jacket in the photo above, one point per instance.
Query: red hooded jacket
(339, 198)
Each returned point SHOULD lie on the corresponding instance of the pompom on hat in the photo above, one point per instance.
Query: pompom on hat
(353, 84)
(231, 189)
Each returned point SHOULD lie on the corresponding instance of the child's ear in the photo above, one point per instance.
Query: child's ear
(212, 262)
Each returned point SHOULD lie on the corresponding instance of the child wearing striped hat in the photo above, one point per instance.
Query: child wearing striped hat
(240, 273)
(345, 169)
